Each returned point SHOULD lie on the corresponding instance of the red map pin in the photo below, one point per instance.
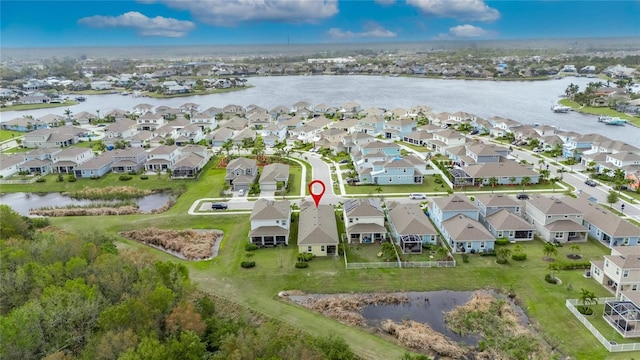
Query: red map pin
(316, 197)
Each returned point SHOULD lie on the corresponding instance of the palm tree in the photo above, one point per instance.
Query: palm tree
(279, 146)
(587, 298)
(258, 147)
(540, 163)
(442, 253)
(388, 250)
(575, 248)
(512, 180)
(554, 181)
(549, 250)
(478, 181)
(525, 180)
(68, 113)
(561, 171)
(493, 181)
(503, 254)
(227, 145)
(544, 174)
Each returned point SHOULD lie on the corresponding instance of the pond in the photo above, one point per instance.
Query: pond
(21, 202)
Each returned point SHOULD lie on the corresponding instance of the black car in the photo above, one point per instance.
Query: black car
(343, 161)
(522, 196)
(590, 183)
(219, 206)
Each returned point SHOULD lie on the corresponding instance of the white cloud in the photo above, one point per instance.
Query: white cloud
(145, 26)
(468, 31)
(465, 31)
(231, 12)
(471, 10)
(370, 30)
(385, 2)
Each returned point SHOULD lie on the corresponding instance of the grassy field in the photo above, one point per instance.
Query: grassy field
(8, 135)
(15, 150)
(36, 106)
(599, 111)
(197, 92)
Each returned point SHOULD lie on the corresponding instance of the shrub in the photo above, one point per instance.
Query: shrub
(71, 178)
(501, 261)
(248, 264)
(125, 177)
(251, 247)
(550, 279)
(302, 265)
(502, 241)
(465, 258)
(305, 256)
(132, 172)
(95, 177)
(41, 180)
(574, 265)
(437, 180)
(519, 256)
(39, 223)
(144, 177)
(488, 253)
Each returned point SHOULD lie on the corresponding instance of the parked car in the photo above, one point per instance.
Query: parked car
(522, 196)
(537, 150)
(417, 196)
(590, 183)
(474, 132)
(219, 206)
(241, 192)
(343, 161)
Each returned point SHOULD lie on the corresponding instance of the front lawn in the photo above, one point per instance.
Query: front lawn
(8, 135)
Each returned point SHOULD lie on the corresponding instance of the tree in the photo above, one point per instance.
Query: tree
(279, 146)
(442, 253)
(247, 143)
(68, 113)
(525, 180)
(258, 147)
(554, 181)
(549, 250)
(587, 298)
(479, 181)
(612, 197)
(544, 174)
(575, 248)
(493, 181)
(503, 254)
(227, 145)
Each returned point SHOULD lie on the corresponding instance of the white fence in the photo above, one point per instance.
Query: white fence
(609, 345)
(427, 264)
(372, 265)
(20, 181)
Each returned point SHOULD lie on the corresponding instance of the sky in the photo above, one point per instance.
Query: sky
(26, 23)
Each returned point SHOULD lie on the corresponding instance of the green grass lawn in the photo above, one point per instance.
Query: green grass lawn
(8, 135)
(197, 92)
(15, 150)
(599, 111)
(429, 186)
(605, 329)
(422, 149)
(295, 174)
(36, 106)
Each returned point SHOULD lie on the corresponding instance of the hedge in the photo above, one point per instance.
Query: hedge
(248, 264)
(250, 247)
(519, 256)
(502, 241)
(125, 177)
(302, 265)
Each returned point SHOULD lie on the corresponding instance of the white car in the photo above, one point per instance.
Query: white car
(417, 196)
(241, 192)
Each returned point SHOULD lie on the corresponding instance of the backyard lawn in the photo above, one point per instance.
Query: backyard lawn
(428, 186)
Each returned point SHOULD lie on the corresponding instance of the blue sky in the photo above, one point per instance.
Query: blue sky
(28, 23)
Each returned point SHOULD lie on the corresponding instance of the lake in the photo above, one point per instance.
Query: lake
(525, 101)
(22, 202)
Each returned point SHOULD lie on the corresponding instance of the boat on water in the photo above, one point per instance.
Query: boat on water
(81, 98)
(560, 109)
(608, 120)
(124, 93)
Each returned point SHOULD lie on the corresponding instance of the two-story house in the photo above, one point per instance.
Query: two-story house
(39, 161)
(620, 271)
(608, 228)
(162, 158)
(397, 129)
(10, 164)
(241, 173)
(270, 222)
(447, 207)
(67, 159)
(364, 220)
(129, 159)
(371, 125)
(505, 224)
(554, 220)
(150, 121)
(394, 171)
(489, 204)
(410, 227)
(446, 138)
(317, 230)
(120, 129)
(204, 121)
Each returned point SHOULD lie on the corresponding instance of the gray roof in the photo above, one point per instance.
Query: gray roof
(504, 220)
(565, 225)
(8, 160)
(363, 207)
(270, 209)
(317, 226)
(99, 162)
(241, 163)
(455, 202)
(269, 231)
(502, 169)
(551, 205)
(496, 200)
(274, 172)
(611, 224)
(409, 219)
(464, 228)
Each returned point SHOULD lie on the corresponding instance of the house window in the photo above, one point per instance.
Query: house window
(350, 220)
(482, 245)
(277, 221)
(499, 233)
(284, 222)
(548, 216)
(596, 271)
(510, 233)
(606, 263)
(469, 244)
(559, 235)
(309, 249)
(322, 248)
(634, 287)
(625, 273)
(625, 241)
(598, 232)
(617, 271)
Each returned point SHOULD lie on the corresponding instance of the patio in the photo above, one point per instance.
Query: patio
(624, 316)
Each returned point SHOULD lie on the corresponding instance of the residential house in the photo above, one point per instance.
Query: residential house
(489, 204)
(507, 173)
(410, 227)
(67, 159)
(393, 171)
(245, 133)
(121, 129)
(150, 121)
(619, 272)
(317, 230)
(505, 224)
(241, 173)
(555, 220)
(272, 175)
(96, 167)
(608, 228)
(220, 136)
(235, 123)
(39, 161)
(270, 222)
(273, 133)
(371, 125)
(443, 139)
(162, 158)
(364, 220)
(445, 208)
(53, 138)
(232, 110)
(188, 166)
(259, 120)
(397, 129)
(128, 160)
(417, 137)
(467, 235)
(190, 134)
(204, 121)
(10, 164)
(23, 124)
